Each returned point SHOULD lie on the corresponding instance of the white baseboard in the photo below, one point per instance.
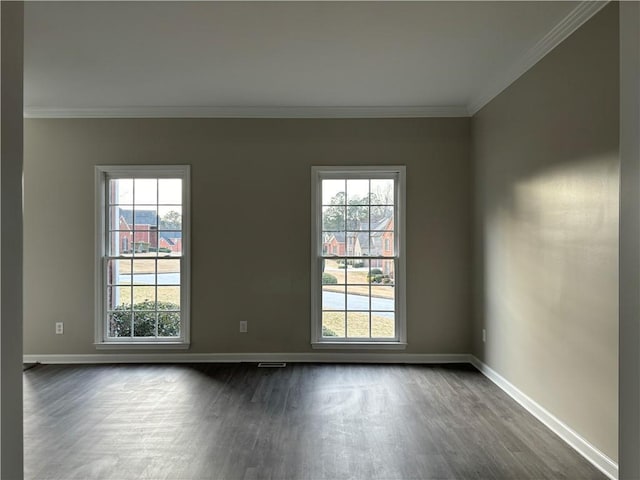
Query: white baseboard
(313, 357)
(582, 446)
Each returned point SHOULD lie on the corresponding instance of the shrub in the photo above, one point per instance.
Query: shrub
(379, 278)
(144, 319)
(141, 247)
(358, 264)
(327, 279)
(376, 276)
(327, 332)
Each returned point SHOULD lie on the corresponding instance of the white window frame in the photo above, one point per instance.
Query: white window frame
(319, 173)
(102, 174)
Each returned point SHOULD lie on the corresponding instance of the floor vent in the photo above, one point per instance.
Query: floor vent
(272, 364)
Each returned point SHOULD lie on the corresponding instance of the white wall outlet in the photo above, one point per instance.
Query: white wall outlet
(59, 328)
(243, 326)
(484, 335)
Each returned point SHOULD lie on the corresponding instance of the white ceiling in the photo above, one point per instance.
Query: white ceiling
(230, 58)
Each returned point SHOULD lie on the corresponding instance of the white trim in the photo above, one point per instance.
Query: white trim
(601, 461)
(353, 345)
(248, 112)
(406, 358)
(574, 20)
(159, 345)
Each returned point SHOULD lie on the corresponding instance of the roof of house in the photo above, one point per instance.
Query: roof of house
(143, 217)
(171, 237)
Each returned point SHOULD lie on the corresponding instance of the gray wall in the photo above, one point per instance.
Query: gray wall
(629, 438)
(250, 223)
(12, 21)
(546, 222)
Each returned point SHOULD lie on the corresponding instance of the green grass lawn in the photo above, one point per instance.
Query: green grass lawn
(147, 292)
(358, 325)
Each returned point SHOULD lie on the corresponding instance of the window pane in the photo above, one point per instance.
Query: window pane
(352, 244)
(168, 324)
(382, 192)
(168, 272)
(383, 298)
(333, 297)
(120, 243)
(382, 244)
(120, 324)
(330, 278)
(333, 192)
(335, 267)
(144, 298)
(333, 218)
(120, 218)
(121, 191)
(382, 218)
(170, 191)
(358, 324)
(383, 325)
(357, 272)
(145, 218)
(170, 217)
(119, 298)
(168, 298)
(357, 192)
(145, 191)
(144, 324)
(382, 272)
(144, 272)
(357, 217)
(169, 244)
(357, 244)
(119, 272)
(358, 297)
(333, 324)
(333, 243)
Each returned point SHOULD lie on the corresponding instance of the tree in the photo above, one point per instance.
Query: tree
(171, 220)
(354, 213)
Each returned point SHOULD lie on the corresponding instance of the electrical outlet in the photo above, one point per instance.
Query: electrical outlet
(484, 335)
(243, 326)
(59, 328)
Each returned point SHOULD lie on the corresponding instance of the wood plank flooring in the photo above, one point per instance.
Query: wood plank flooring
(305, 421)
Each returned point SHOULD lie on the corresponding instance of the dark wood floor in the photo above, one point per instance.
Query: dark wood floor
(236, 421)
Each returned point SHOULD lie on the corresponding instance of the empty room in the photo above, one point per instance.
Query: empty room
(320, 240)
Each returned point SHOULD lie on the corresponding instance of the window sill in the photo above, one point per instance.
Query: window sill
(360, 345)
(142, 346)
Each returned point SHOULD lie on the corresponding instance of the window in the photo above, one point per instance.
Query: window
(142, 256)
(358, 258)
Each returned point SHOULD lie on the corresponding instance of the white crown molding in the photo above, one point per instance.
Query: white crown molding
(247, 112)
(327, 357)
(601, 461)
(569, 24)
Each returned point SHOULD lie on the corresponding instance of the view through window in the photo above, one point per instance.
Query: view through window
(358, 254)
(144, 261)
